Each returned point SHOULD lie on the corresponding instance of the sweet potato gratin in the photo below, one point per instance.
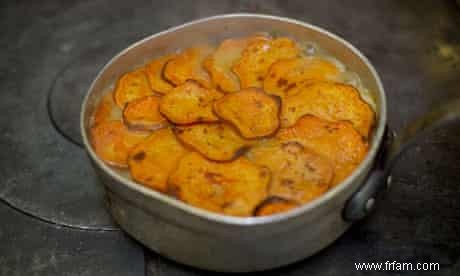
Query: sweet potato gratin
(253, 126)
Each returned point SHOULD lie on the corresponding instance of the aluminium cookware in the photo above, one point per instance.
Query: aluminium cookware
(216, 242)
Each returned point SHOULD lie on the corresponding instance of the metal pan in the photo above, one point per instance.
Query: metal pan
(222, 243)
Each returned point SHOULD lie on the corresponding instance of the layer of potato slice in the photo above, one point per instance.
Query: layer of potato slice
(259, 55)
(233, 188)
(144, 114)
(152, 160)
(274, 205)
(330, 101)
(287, 74)
(339, 142)
(187, 65)
(298, 173)
(217, 141)
(112, 141)
(251, 111)
(154, 71)
(132, 85)
(190, 103)
(106, 110)
(219, 64)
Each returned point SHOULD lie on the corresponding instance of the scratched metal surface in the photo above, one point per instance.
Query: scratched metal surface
(51, 50)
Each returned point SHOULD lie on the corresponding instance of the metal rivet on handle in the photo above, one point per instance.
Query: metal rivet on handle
(370, 204)
(389, 180)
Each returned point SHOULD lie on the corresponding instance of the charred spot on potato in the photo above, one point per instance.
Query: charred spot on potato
(139, 156)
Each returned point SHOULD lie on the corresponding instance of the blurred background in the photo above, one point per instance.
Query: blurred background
(53, 217)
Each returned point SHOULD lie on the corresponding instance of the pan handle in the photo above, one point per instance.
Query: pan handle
(362, 202)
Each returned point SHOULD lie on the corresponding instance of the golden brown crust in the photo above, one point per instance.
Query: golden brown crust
(298, 173)
(219, 64)
(339, 142)
(144, 114)
(112, 141)
(232, 188)
(251, 111)
(152, 160)
(132, 85)
(258, 56)
(217, 141)
(274, 205)
(285, 75)
(330, 101)
(154, 71)
(187, 65)
(190, 103)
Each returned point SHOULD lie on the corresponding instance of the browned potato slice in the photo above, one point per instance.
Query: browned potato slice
(257, 58)
(112, 141)
(254, 113)
(298, 173)
(132, 85)
(154, 71)
(187, 65)
(329, 101)
(144, 114)
(287, 74)
(232, 188)
(152, 160)
(106, 110)
(339, 142)
(215, 141)
(219, 64)
(274, 205)
(190, 103)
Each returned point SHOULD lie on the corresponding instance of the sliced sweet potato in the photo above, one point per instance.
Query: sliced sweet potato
(144, 114)
(219, 64)
(251, 111)
(187, 65)
(258, 56)
(106, 110)
(132, 85)
(285, 75)
(298, 173)
(154, 71)
(217, 141)
(232, 188)
(190, 103)
(339, 142)
(330, 101)
(112, 142)
(274, 205)
(152, 160)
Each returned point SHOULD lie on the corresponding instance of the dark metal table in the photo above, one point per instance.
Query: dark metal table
(52, 210)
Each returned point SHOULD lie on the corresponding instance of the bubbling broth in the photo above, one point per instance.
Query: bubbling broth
(247, 126)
